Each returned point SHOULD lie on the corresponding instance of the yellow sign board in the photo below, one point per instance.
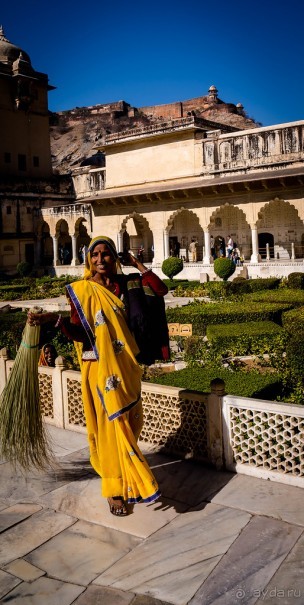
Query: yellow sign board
(180, 329)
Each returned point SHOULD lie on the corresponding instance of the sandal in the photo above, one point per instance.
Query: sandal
(117, 506)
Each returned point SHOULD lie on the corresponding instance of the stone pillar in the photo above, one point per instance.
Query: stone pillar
(120, 241)
(293, 256)
(166, 249)
(55, 250)
(158, 244)
(207, 249)
(75, 260)
(255, 245)
(267, 252)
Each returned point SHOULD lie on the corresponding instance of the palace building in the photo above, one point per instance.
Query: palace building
(181, 178)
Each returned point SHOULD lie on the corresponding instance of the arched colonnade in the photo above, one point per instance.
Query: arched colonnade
(275, 231)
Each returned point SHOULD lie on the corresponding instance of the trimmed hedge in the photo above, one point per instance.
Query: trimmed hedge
(296, 280)
(244, 384)
(218, 290)
(256, 338)
(201, 314)
(293, 321)
(241, 286)
(285, 295)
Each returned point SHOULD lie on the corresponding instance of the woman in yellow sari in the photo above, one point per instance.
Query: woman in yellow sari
(111, 374)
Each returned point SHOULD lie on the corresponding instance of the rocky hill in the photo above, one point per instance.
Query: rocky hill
(76, 133)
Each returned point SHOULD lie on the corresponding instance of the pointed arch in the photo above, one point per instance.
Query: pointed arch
(183, 226)
(136, 232)
(227, 220)
(281, 219)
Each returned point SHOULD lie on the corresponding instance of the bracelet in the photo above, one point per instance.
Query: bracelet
(145, 271)
(58, 322)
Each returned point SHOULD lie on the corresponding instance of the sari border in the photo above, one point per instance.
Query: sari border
(82, 317)
(124, 409)
(152, 498)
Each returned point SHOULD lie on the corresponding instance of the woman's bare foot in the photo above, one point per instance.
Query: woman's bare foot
(117, 506)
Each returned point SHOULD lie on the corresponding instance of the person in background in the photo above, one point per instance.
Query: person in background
(140, 253)
(117, 321)
(230, 246)
(193, 249)
(212, 247)
(48, 355)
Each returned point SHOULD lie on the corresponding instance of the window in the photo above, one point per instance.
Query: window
(8, 210)
(21, 161)
(36, 161)
(7, 157)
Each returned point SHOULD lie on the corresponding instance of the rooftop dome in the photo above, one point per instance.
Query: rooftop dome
(10, 52)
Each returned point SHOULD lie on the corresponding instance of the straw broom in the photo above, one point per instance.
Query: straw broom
(23, 438)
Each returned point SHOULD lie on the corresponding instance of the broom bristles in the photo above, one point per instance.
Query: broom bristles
(23, 438)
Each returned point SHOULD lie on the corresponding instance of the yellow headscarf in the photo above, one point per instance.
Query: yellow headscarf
(100, 239)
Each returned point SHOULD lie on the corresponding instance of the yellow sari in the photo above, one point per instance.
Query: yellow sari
(111, 390)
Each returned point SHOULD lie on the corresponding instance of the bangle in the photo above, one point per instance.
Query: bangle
(145, 271)
(58, 322)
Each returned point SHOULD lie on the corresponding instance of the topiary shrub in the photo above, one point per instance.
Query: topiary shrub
(224, 267)
(296, 280)
(172, 266)
(24, 268)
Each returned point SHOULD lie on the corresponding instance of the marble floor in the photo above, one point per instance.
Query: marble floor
(213, 538)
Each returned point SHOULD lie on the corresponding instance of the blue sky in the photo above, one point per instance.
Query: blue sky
(161, 52)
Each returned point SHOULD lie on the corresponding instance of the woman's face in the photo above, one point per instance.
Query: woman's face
(102, 260)
(50, 356)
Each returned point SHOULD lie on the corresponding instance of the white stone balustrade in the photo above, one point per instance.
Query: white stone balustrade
(254, 149)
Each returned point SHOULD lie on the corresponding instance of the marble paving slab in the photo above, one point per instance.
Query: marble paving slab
(18, 486)
(31, 533)
(97, 595)
(7, 583)
(187, 481)
(44, 591)
(286, 587)
(14, 514)
(64, 442)
(23, 570)
(82, 552)
(263, 497)
(4, 503)
(249, 564)
(176, 560)
(83, 500)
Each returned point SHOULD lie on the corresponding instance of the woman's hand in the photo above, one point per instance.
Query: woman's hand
(38, 319)
(136, 263)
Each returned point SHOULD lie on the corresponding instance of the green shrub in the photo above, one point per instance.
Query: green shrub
(24, 268)
(252, 338)
(293, 321)
(202, 314)
(294, 298)
(172, 284)
(243, 384)
(296, 280)
(172, 266)
(295, 354)
(224, 267)
(216, 290)
(194, 289)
